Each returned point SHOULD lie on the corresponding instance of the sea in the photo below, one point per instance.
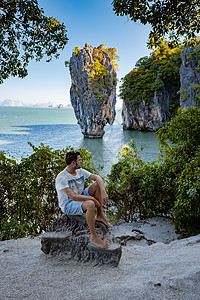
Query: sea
(58, 128)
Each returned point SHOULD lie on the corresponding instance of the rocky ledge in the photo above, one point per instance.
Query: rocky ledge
(68, 238)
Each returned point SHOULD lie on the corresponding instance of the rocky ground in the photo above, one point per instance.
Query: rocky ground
(154, 265)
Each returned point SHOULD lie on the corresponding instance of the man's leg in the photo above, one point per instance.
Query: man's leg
(94, 191)
(89, 208)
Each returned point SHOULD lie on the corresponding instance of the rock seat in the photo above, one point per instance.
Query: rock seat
(69, 237)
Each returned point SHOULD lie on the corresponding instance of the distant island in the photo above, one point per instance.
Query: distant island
(14, 103)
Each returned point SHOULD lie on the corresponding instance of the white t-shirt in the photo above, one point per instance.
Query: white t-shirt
(76, 183)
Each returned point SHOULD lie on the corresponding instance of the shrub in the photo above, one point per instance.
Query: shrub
(136, 189)
(186, 209)
(123, 184)
(167, 187)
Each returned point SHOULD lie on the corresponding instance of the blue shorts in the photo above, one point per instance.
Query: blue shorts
(75, 207)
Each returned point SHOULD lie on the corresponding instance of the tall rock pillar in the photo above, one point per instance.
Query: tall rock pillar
(93, 89)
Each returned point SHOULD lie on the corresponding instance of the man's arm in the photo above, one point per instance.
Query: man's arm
(99, 181)
(76, 197)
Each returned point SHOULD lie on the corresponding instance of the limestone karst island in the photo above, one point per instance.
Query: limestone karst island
(93, 88)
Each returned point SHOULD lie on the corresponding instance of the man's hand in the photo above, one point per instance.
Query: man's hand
(99, 180)
(96, 202)
(104, 197)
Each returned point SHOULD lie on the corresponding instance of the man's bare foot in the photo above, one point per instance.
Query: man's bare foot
(103, 220)
(98, 242)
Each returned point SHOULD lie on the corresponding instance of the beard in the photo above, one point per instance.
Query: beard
(77, 166)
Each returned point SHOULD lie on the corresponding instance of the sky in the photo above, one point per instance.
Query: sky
(89, 21)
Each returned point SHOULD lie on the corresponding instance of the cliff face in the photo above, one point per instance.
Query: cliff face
(93, 90)
(154, 116)
(149, 91)
(147, 117)
(190, 77)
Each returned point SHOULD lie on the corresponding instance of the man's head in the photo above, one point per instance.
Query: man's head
(74, 158)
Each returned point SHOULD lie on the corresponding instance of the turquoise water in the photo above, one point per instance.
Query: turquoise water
(58, 128)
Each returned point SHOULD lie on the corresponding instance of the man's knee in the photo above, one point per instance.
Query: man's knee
(89, 204)
(93, 189)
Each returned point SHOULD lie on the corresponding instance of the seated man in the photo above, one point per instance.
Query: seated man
(74, 200)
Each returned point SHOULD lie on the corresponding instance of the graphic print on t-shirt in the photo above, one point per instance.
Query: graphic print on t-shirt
(76, 184)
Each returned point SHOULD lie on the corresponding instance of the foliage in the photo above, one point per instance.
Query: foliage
(183, 132)
(134, 187)
(26, 33)
(187, 207)
(165, 18)
(28, 199)
(196, 87)
(168, 187)
(76, 51)
(152, 74)
(99, 75)
(123, 184)
(101, 49)
(98, 71)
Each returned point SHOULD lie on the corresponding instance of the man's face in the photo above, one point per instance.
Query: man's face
(78, 162)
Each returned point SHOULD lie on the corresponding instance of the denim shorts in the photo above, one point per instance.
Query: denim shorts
(75, 207)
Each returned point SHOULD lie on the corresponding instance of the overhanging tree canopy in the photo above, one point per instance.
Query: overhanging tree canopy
(174, 18)
(26, 33)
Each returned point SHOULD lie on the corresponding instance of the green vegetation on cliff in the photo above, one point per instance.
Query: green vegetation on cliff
(99, 75)
(154, 73)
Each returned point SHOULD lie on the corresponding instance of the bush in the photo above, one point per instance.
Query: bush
(186, 210)
(167, 187)
(123, 186)
(136, 189)
(28, 199)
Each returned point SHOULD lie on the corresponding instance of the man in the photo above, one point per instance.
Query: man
(74, 200)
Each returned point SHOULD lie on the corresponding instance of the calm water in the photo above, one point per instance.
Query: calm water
(58, 128)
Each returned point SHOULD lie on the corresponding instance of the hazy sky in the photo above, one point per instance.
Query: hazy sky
(89, 21)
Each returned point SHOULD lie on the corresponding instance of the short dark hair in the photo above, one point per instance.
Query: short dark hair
(71, 156)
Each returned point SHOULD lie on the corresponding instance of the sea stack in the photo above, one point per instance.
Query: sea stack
(93, 88)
